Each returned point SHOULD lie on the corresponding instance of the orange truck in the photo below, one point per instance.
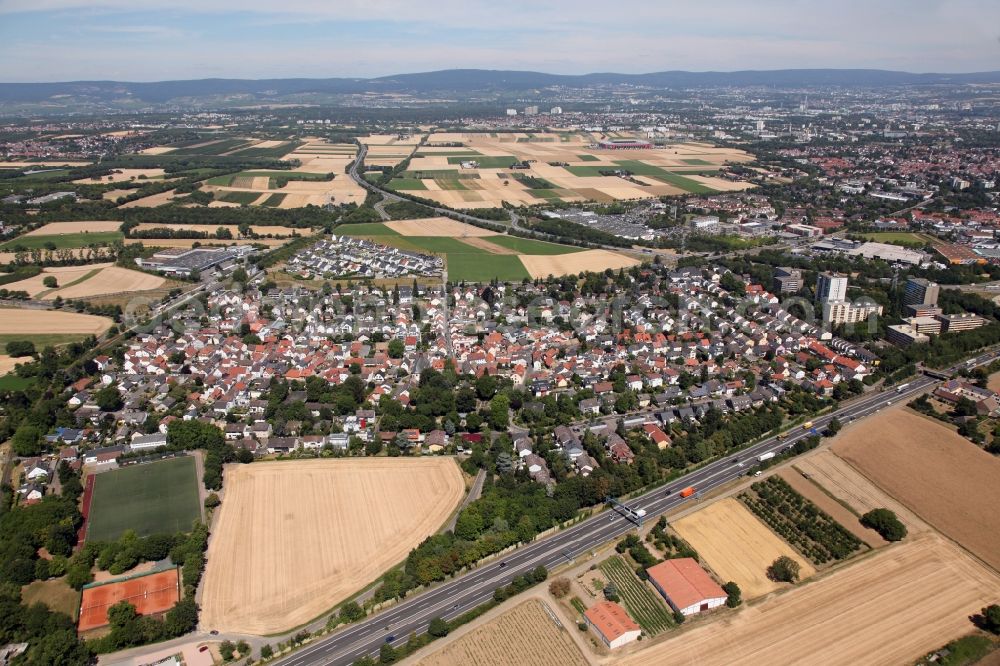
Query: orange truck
(687, 492)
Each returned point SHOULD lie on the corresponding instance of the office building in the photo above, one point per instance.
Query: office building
(831, 287)
(960, 322)
(787, 280)
(904, 335)
(920, 291)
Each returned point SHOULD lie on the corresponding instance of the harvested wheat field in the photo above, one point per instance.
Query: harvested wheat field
(152, 200)
(542, 266)
(890, 608)
(850, 521)
(308, 534)
(850, 487)
(737, 546)
(64, 275)
(14, 321)
(994, 382)
(86, 226)
(110, 280)
(437, 226)
(526, 635)
(941, 476)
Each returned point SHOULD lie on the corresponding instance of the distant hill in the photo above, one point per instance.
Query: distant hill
(462, 81)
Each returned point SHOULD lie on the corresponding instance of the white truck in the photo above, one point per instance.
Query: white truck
(765, 456)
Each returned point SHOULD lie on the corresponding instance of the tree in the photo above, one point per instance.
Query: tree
(499, 412)
(18, 348)
(396, 348)
(679, 617)
(386, 654)
(351, 612)
(734, 595)
(109, 399)
(243, 648)
(266, 651)
(559, 587)
(990, 618)
(50, 281)
(611, 592)
(438, 628)
(833, 427)
(885, 523)
(27, 440)
(227, 649)
(784, 570)
(212, 501)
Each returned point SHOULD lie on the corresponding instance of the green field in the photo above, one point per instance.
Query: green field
(899, 238)
(61, 241)
(277, 151)
(686, 184)
(155, 498)
(458, 152)
(696, 162)
(365, 229)
(450, 184)
(642, 169)
(441, 173)
(217, 148)
(589, 158)
(274, 200)
(641, 602)
(406, 184)
(42, 340)
(488, 161)
(11, 382)
(529, 246)
(55, 594)
(482, 267)
(227, 180)
(242, 198)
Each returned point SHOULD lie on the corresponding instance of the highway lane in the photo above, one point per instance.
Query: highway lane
(468, 590)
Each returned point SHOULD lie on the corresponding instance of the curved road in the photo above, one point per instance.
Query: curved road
(468, 590)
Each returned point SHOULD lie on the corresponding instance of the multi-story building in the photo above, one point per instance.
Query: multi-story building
(904, 335)
(831, 287)
(920, 291)
(960, 322)
(846, 312)
(787, 280)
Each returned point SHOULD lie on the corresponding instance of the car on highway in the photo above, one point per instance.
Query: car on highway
(503, 564)
(389, 639)
(667, 492)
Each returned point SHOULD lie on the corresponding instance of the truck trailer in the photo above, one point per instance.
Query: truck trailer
(687, 492)
(765, 456)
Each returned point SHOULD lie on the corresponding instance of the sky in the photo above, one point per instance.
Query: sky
(155, 40)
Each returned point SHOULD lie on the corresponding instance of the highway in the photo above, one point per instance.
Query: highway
(466, 591)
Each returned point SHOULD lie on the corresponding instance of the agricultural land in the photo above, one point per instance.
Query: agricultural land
(737, 546)
(553, 168)
(478, 255)
(941, 476)
(311, 533)
(526, 635)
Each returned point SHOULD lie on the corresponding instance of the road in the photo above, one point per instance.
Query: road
(475, 587)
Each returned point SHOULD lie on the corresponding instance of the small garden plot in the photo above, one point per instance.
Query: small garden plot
(588, 158)
(274, 200)
(449, 184)
(640, 601)
(800, 522)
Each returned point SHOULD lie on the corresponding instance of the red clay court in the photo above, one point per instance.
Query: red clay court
(150, 593)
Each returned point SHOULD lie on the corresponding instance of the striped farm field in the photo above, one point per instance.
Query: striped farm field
(641, 602)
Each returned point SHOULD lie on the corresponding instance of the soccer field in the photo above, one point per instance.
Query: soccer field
(160, 497)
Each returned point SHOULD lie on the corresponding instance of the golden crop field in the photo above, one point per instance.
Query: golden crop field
(308, 534)
(737, 545)
(523, 636)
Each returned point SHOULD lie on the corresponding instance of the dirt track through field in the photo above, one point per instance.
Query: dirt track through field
(737, 545)
(294, 538)
(484, 244)
(523, 636)
(944, 478)
(832, 507)
(889, 608)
